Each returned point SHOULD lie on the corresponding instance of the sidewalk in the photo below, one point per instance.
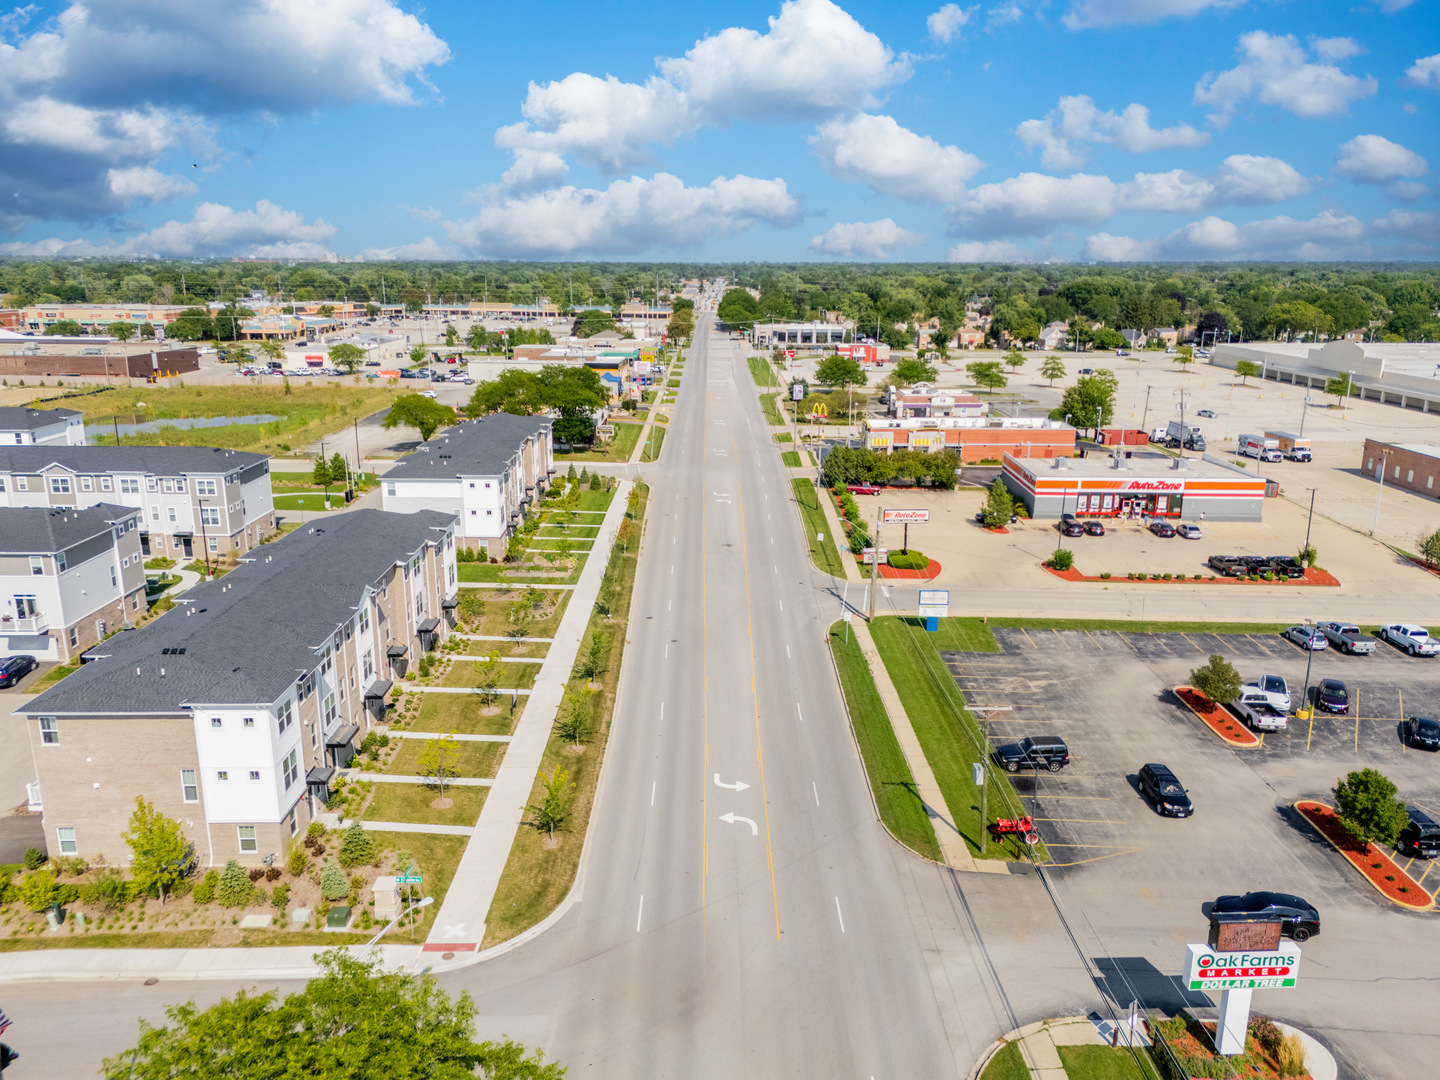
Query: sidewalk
(459, 925)
(280, 962)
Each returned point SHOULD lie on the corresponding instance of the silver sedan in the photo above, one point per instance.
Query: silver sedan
(1307, 637)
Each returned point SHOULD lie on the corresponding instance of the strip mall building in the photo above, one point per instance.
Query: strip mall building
(1152, 484)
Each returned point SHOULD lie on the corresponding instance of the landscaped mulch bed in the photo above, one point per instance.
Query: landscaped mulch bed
(1312, 577)
(1193, 1042)
(930, 573)
(1217, 718)
(1379, 869)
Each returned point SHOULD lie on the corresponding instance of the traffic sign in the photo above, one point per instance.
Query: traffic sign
(408, 879)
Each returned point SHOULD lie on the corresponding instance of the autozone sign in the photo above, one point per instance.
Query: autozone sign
(1153, 485)
(1262, 969)
(906, 517)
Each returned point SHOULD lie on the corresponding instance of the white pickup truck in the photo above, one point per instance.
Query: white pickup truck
(1255, 709)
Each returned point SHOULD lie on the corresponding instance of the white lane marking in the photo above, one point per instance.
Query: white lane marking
(662, 710)
(787, 650)
(815, 790)
(641, 913)
(772, 539)
(672, 572)
(797, 711)
(839, 914)
(667, 650)
(782, 605)
(668, 603)
(731, 819)
(673, 540)
(738, 785)
(885, 591)
(654, 783)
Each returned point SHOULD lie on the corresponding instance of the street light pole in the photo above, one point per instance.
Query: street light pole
(1308, 521)
(423, 902)
(1384, 457)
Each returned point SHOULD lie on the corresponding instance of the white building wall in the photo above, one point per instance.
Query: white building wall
(483, 513)
(85, 588)
(236, 751)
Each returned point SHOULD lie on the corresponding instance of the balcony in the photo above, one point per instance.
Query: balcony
(32, 624)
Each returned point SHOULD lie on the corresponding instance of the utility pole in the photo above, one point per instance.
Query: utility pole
(875, 563)
(1145, 415)
(1308, 521)
(1384, 457)
(359, 461)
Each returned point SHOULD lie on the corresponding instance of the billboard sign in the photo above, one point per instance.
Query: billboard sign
(934, 603)
(907, 517)
(1243, 969)
(868, 555)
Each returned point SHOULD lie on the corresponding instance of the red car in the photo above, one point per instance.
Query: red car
(864, 489)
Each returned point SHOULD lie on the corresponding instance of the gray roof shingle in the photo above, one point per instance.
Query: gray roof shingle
(480, 447)
(24, 418)
(244, 638)
(160, 460)
(40, 530)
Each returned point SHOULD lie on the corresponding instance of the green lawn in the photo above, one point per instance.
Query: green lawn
(627, 433)
(784, 437)
(822, 551)
(411, 802)
(1007, 1064)
(306, 481)
(579, 545)
(478, 759)
(460, 713)
(1106, 1063)
(574, 530)
(308, 500)
(494, 620)
(54, 675)
(791, 459)
(512, 676)
(672, 384)
(588, 500)
(762, 372)
(948, 733)
(436, 858)
(476, 571)
(772, 414)
(653, 443)
(891, 781)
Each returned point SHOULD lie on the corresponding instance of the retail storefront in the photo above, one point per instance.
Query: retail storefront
(1139, 486)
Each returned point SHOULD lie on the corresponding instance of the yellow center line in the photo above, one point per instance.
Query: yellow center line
(755, 697)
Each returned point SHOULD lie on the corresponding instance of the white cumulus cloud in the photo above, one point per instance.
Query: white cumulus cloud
(141, 183)
(1424, 73)
(1330, 234)
(427, 248)
(1033, 203)
(1276, 70)
(1374, 159)
(864, 239)
(1240, 179)
(893, 160)
(626, 217)
(989, 251)
(1078, 120)
(1089, 13)
(945, 24)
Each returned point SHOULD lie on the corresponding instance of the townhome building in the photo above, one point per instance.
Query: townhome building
(487, 472)
(232, 712)
(68, 578)
(193, 499)
(23, 426)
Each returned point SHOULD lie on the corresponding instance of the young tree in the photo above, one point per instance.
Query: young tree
(320, 474)
(121, 331)
(357, 847)
(356, 1016)
(371, 310)
(1015, 359)
(1217, 680)
(987, 373)
(347, 357)
(1246, 369)
(339, 468)
(910, 371)
(424, 414)
(592, 664)
(554, 805)
(999, 505)
(333, 885)
(161, 857)
(520, 617)
(439, 759)
(234, 889)
(840, 371)
(326, 311)
(1366, 803)
(418, 353)
(573, 720)
(565, 548)
(478, 339)
(1430, 547)
(272, 349)
(1339, 386)
(1052, 368)
(451, 336)
(488, 676)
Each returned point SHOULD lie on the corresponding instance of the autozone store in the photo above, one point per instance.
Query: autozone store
(1152, 485)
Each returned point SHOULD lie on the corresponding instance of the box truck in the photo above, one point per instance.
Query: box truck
(1184, 435)
(1260, 446)
(1291, 446)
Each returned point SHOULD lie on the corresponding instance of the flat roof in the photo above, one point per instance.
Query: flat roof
(1428, 449)
(1138, 465)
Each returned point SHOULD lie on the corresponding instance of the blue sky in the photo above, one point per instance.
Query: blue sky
(1110, 130)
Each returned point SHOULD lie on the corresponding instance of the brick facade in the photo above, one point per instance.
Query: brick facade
(1415, 467)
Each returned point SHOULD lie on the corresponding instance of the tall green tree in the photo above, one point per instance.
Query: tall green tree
(987, 373)
(1089, 404)
(121, 331)
(1052, 368)
(910, 371)
(1339, 386)
(1247, 369)
(160, 855)
(840, 371)
(1015, 359)
(1217, 680)
(347, 357)
(356, 1019)
(999, 505)
(424, 414)
(738, 308)
(1368, 808)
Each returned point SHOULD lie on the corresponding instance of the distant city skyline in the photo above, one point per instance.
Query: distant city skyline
(1026, 130)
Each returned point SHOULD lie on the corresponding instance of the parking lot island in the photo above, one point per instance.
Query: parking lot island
(1379, 869)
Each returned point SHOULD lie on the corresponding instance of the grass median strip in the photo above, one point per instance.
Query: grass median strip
(891, 781)
(412, 803)
(474, 759)
(464, 714)
(512, 676)
(791, 458)
(817, 529)
(949, 735)
(772, 412)
(653, 442)
(762, 372)
(536, 877)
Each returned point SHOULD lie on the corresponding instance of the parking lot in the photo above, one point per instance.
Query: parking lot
(1108, 695)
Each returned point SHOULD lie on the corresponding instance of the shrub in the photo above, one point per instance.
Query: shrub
(280, 897)
(296, 860)
(316, 831)
(1105, 575)
(234, 888)
(333, 885)
(205, 891)
(256, 873)
(272, 873)
(38, 889)
(34, 858)
(109, 891)
(1290, 1056)
(1217, 680)
(1063, 559)
(908, 560)
(357, 847)
(1264, 1032)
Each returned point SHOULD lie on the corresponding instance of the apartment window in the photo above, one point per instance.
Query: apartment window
(66, 836)
(364, 619)
(294, 824)
(1429, 482)
(204, 487)
(60, 485)
(248, 721)
(283, 716)
(22, 484)
(86, 484)
(367, 664)
(135, 601)
(292, 768)
(247, 838)
(329, 709)
(129, 487)
(168, 486)
(104, 483)
(210, 515)
(389, 487)
(37, 566)
(60, 563)
(223, 774)
(326, 662)
(213, 544)
(1397, 473)
(180, 485)
(49, 732)
(306, 687)
(154, 513)
(171, 511)
(151, 484)
(74, 636)
(1409, 476)
(2, 483)
(189, 788)
(254, 774)
(215, 722)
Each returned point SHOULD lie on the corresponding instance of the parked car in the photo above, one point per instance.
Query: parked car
(1347, 637)
(1226, 565)
(1257, 564)
(1422, 732)
(1070, 527)
(1209, 414)
(1415, 640)
(1253, 707)
(1332, 696)
(1162, 528)
(864, 489)
(1300, 920)
(1421, 835)
(428, 393)
(1086, 371)
(1307, 637)
(1188, 531)
(1034, 752)
(1164, 791)
(1275, 689)
(1094, 528)
(15, 668)
(1287, 565)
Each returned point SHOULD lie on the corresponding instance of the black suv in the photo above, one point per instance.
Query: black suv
(1299, 919)
(1423, 732)
(1332, 696)
(1070, 526)
(15, 668)
(1163, 789)
(1226, 565)
(1035, 752)
(1421, 835)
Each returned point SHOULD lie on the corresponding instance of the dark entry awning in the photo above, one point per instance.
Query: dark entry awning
(397, 651)
(320, 775)
(450, 605)
(427, 626)
(378, 689)
(344, 735)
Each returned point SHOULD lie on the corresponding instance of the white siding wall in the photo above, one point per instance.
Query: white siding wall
(237, 750)
(85, 588)
(483, 512)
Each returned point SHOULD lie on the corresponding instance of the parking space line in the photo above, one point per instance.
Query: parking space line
(1310, 734)
(1082, 820)
(1126, 638)
(1062, 640)
(1094, 639)
(1197, 647)
(1029, 639)
(1162, 644)
(1421, 879)
(1095, 858)
(1086, 798)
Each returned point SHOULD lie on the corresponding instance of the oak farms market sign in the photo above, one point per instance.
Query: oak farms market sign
(1259, 969)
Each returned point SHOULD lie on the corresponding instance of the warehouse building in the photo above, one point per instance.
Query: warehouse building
(1412, 466)
(1404, 374)
(1151, 484)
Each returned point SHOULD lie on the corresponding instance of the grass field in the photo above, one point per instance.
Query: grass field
(1106, 1063)
(411, 802)
(460, 713)
(478, 759)
(949, 735)
(627, 433)
(307, 413)
(790, 458)
(497, 606)
(536, 879)
(822, 551)
(512, 676)
(762, 372)
(309, 500)
(891, 781)
(653, 444)
(784, 437)
(772, 413)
